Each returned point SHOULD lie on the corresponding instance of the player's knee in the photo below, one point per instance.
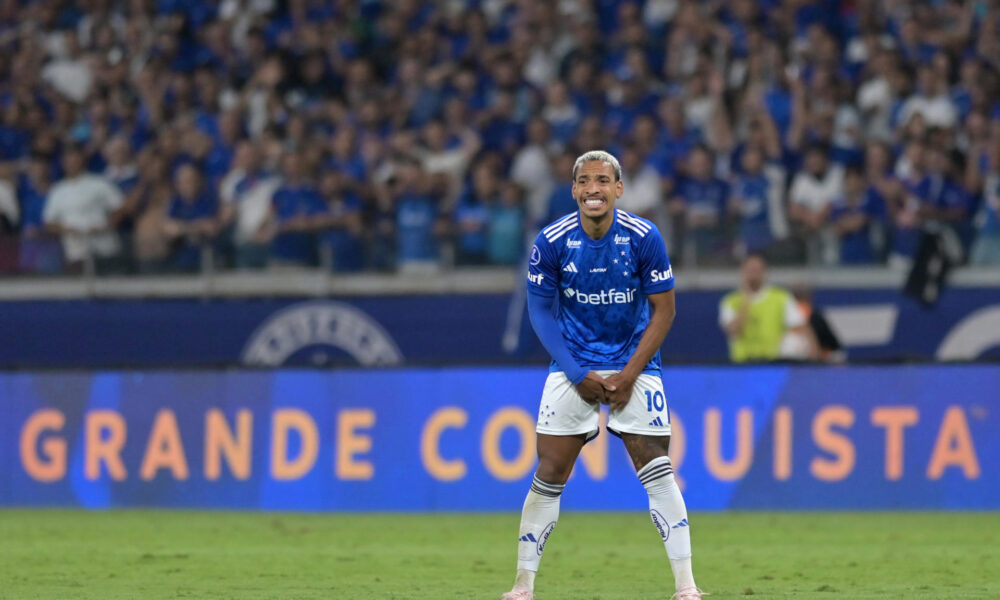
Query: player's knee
(643, 449)
(553, 471)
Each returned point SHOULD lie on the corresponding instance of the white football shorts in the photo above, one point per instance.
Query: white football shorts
(563, 412)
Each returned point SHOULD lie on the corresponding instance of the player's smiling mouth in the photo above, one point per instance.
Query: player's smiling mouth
(593, 202)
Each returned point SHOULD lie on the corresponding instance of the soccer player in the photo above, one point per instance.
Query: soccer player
(600, 298)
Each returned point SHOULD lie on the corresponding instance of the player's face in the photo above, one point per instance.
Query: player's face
(595, 189)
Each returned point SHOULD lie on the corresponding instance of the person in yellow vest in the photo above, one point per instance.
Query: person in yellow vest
(757, 318)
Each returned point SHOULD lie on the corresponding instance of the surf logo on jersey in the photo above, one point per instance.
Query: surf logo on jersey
(623, 239)
(612, 296)
(536, 278)
(573, 243)
(656, 276)
(536, 255)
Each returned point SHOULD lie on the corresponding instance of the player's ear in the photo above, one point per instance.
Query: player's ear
(619, 188)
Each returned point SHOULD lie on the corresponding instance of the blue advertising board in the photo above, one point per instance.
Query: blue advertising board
(874, 325)
(463, 439)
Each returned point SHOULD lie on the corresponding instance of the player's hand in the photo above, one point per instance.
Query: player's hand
(618, 389)
(593, 388)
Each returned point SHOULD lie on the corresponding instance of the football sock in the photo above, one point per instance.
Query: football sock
(666, 507)
(538, 519)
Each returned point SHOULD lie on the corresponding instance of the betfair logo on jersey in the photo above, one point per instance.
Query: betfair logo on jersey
(622, 239)
(536, 278)
(656, 276)
(611, 296)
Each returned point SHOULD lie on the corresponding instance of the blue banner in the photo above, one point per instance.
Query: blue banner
(463, 439)
(875, 325)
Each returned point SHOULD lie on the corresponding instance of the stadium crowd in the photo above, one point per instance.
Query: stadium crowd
(153, 135)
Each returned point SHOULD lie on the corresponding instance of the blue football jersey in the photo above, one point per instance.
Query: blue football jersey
(601, 285)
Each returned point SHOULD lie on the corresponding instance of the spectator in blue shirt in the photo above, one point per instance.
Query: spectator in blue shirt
(296, 207)
(506, 231)
(39, 252)
(15, 137)
(472, 215)
(561, 201)
(562, 115)
(944, 198)
(121, 170)
(341, 222)
(677, 139)
(191, 222)
(905, 208)
(502, 132)
(986, 246)
(855, 218)
(418, 221)
(750, 202)
(698, 208)
(346, 160)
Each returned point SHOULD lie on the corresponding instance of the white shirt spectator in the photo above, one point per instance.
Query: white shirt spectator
(251, 201)
(84, 204)
(875, 99)
(643, 193)
(816, 193)
(658, 13)
(452, 162)
(8, 202)
(70, 77)
(937, 111)
(531, 171)
(541, 68)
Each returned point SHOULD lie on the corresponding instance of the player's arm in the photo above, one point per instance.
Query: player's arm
(543, 273)
(658, 284)
(662, 310)
(589, 384)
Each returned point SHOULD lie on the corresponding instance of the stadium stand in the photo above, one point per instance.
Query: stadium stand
(385, 136)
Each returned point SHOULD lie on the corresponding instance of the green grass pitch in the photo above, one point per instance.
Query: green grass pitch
(146, 555)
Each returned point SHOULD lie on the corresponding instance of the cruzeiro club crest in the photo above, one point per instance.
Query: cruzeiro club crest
(321, 323)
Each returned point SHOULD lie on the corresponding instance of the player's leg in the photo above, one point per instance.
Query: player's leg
(565, 423)
(556, 456)
(666, 505)
(644, 426)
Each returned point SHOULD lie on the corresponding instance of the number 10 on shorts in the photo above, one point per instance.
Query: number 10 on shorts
(655, 401)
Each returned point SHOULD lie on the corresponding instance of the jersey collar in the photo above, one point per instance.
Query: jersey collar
(607, 234)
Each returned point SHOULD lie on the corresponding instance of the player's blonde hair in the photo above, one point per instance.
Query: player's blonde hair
(598, 155)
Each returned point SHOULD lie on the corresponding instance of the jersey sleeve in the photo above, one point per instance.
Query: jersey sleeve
(543, 268)
(654, 265)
